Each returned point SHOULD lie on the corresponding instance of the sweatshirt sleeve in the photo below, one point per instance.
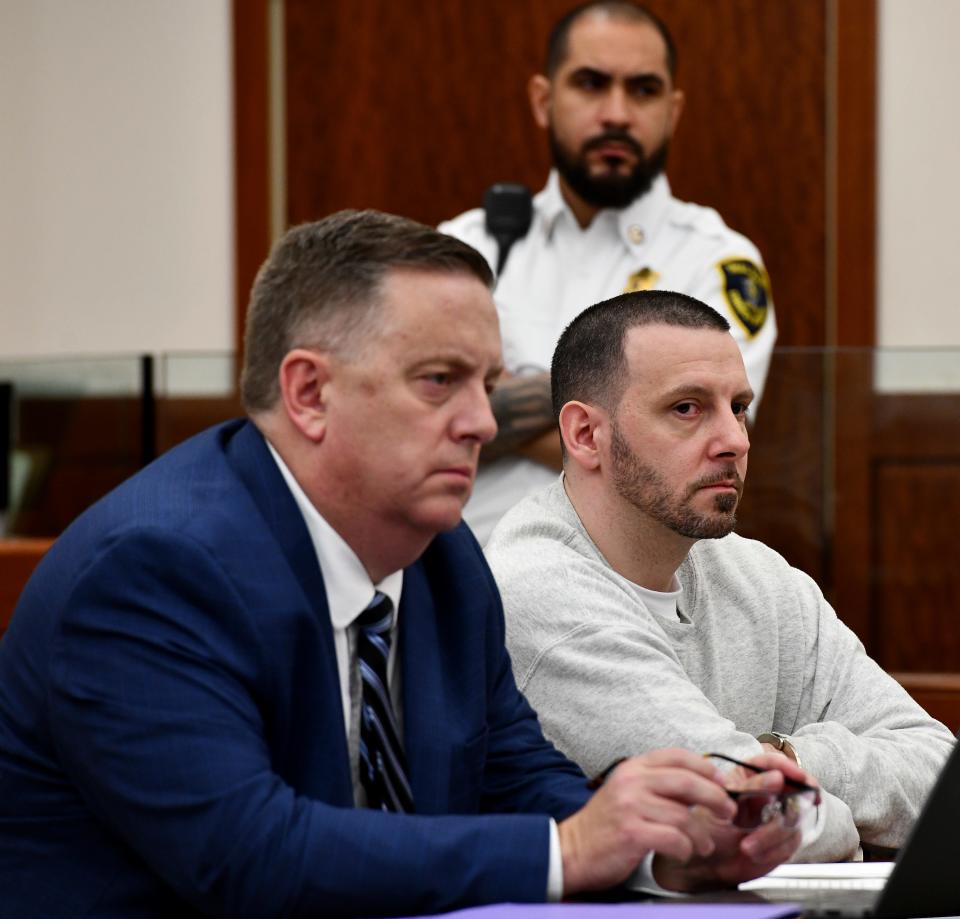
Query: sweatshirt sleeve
(859, 731)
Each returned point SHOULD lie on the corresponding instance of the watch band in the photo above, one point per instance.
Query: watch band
(782, 743)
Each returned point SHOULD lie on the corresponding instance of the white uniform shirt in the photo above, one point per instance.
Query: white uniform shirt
(559, 269)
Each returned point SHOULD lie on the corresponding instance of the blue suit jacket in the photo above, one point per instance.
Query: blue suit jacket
(171, 730)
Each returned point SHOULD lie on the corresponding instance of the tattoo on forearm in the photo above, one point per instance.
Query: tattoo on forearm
(523, 411)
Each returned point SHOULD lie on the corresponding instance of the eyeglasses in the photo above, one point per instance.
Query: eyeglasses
(794, 805)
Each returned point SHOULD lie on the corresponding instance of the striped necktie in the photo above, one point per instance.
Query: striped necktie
(383, 766)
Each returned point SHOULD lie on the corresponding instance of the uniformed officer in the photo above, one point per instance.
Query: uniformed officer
(605, 223)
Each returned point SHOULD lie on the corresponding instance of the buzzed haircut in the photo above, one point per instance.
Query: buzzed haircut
(622, 10)
(589, 362)
(321, 288)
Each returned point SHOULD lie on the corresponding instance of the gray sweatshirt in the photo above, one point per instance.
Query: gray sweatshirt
(753, 647)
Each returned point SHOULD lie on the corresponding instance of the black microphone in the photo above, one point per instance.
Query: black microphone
(509, 209)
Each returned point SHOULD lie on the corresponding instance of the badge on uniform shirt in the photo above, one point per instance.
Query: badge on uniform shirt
(746, 287)
(644, 279)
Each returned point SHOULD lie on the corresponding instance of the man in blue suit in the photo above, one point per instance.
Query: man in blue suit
(185, 724)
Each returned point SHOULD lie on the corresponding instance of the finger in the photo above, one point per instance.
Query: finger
(669, 841)
(665, 773)
(696, 823)
(785, 765)
(771, 842)
(692, 789)
(772, 781)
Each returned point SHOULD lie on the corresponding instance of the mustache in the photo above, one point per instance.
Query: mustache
(615, 136)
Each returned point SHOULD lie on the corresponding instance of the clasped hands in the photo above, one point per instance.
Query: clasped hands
(675, 803)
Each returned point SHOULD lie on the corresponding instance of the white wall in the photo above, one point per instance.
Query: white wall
(116, 177)
(919, 173)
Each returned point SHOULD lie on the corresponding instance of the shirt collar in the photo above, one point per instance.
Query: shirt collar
(347, 584)
(637, 223)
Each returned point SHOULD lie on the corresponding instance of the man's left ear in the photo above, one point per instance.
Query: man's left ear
(538, 93)
(304, 390)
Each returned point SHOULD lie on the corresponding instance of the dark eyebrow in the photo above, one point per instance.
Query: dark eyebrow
(646, 80)
(591, 72)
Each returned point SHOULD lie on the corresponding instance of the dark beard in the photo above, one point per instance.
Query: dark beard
(610, 190)
(646, 490)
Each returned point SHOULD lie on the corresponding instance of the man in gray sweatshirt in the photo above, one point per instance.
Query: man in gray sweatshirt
(637, 619)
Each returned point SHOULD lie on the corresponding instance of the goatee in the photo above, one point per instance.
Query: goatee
(610, 189)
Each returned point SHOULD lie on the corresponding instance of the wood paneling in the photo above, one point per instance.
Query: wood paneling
(180, 418)
(896, 503)
(79, 449)
(786, 478)
(938, 693)
(252, 150)
(752, 142)
(848, 502)
(419, 115)
(855, 211)
(917, 579)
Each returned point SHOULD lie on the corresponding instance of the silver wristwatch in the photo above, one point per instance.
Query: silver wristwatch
(782, 743)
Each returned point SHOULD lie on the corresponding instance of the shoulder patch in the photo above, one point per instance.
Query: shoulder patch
(746, 288)
(644, 279)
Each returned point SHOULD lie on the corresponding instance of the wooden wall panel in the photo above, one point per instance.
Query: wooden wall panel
(915, 506)
(752, 141)
(851, 412)
(80, 448)
(937, 693)
(787, 481)
(855, 177)
(252, 151)
(419, 115)
(917, 579)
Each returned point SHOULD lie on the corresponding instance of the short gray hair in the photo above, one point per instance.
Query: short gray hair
(321, 287)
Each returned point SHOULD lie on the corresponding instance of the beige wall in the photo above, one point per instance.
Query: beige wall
(115, 176)
(919, 173)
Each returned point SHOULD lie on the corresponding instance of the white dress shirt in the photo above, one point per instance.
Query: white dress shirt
(349, 590)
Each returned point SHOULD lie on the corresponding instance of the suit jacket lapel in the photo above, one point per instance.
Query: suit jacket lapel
(424, 702)
(250, 458)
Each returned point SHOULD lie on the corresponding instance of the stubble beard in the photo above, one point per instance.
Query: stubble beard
(609, 189)
(644, 487)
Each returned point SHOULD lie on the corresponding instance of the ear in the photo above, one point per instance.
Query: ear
(579, 424)
(304, 376)
(538, 91)
(677, 101)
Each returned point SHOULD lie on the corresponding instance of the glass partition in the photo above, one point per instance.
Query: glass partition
(77, 427)
(854, 472)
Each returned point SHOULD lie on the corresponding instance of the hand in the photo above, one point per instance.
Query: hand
(655, 801)
(739, 855)
(785, 765)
